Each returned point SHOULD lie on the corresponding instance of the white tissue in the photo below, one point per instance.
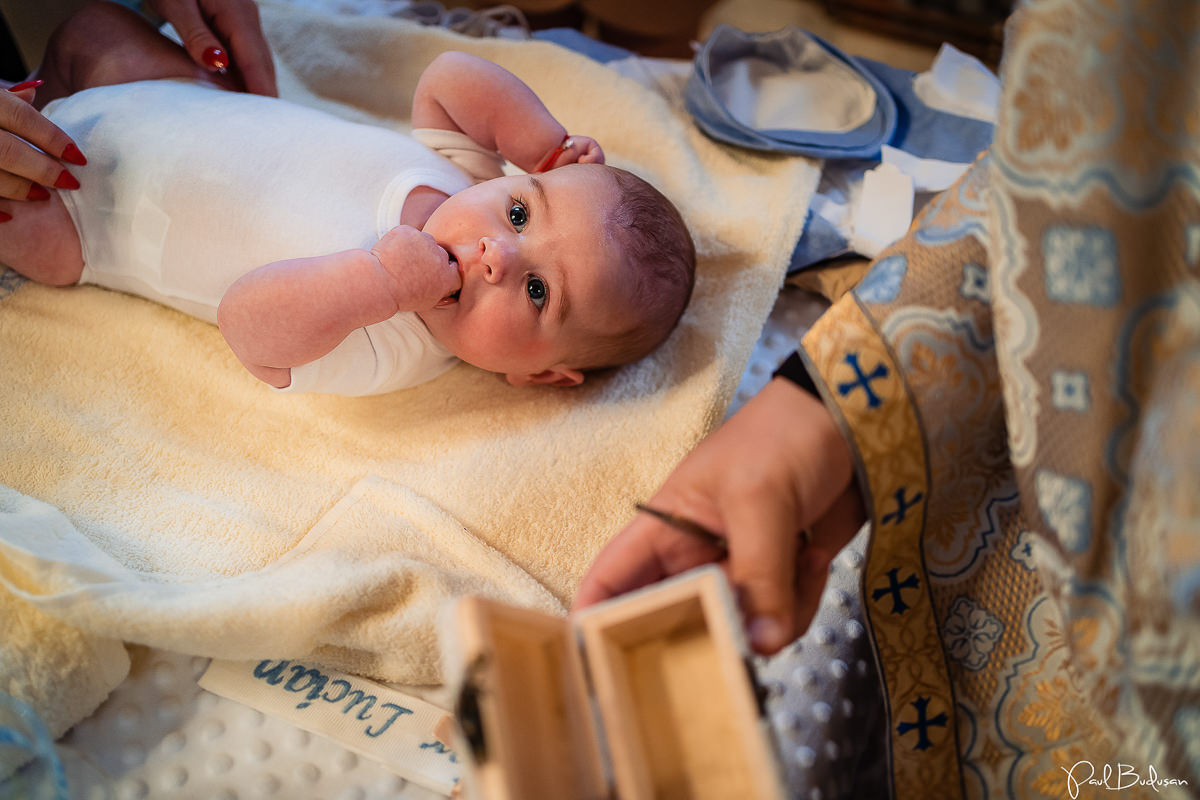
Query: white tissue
(884, 209)
(959, 84)
(928, 174)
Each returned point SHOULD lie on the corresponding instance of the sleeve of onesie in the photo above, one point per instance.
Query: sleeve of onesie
(394, 354)
(463, 151)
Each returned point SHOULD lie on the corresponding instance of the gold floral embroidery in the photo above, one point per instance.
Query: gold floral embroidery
(1053, 782)
(1051, 711)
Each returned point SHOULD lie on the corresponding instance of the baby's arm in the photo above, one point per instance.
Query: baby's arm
(291, 312)
(461, 92)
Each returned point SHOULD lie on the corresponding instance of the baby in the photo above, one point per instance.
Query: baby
(347, 258)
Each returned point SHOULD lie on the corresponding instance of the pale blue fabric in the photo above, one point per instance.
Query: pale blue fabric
(923, 131)
(901, 119)
(727, 45)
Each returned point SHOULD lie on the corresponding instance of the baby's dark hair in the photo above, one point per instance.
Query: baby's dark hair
(661, 258)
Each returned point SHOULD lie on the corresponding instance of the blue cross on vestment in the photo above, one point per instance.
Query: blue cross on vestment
(902, 506)
(862, 380)
(895, 588)
(922, 725)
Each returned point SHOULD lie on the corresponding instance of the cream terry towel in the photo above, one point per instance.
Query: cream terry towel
(203, 513)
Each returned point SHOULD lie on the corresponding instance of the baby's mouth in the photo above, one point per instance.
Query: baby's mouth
(452, 298)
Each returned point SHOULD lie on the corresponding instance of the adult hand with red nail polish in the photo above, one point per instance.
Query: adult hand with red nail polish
(223, 35)
(26, 141)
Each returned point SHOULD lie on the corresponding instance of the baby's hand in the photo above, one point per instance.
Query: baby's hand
(421, 273)
(574, 150)
(585, 150)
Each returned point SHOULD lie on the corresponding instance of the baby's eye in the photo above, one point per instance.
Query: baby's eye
(536, 289)
(518, 215)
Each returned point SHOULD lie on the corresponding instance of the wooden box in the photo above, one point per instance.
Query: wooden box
(649, 695)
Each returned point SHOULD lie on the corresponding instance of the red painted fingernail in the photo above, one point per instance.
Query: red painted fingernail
(26, 85)
(215, 57)
(71, 155)
(5, 217)
(66, 181)
(38, 192)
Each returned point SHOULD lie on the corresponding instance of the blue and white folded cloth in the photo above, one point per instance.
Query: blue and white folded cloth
(888, 136)
(788, 91)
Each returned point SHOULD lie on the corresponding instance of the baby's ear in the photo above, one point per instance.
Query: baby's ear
(555, 376)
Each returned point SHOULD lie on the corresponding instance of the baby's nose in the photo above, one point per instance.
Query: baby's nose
(498, 258)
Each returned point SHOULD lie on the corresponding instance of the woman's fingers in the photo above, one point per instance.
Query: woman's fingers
(30, 149)
(198, 39)
(252, 55)
(222, 35)
(23, 163)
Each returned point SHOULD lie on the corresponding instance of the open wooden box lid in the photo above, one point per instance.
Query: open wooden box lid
(648, 695)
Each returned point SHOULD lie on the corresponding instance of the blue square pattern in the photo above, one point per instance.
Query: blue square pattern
(1070, 391)
(975, 284)
(1081, 266)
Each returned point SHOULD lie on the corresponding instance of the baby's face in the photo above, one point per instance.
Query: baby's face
(540, 273)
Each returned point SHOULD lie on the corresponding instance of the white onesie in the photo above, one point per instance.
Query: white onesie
(187, 188)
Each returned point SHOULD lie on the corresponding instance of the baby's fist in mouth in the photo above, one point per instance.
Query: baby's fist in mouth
(422, 273)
